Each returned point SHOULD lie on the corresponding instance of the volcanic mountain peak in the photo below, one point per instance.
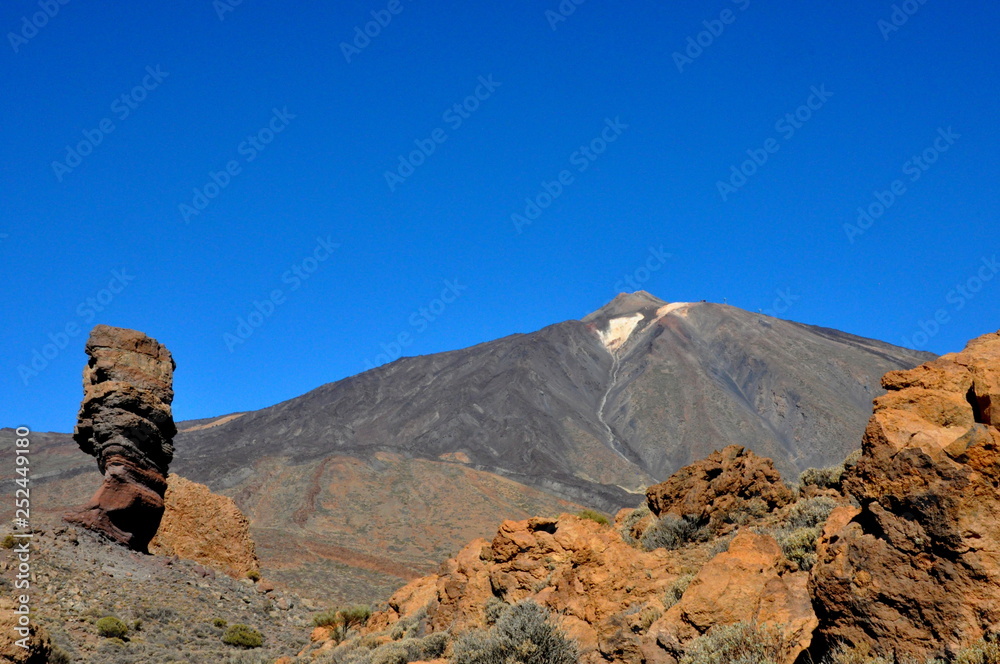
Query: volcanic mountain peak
(616, 321)
(626, 304)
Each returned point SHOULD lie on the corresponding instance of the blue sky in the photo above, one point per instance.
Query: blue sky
(177, 167)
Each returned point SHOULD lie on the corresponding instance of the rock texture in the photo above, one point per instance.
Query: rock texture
(20, 644)
(601, 587)
(750, 582)
(723, 482)
(125, 421)
(205, 527)
(916, 569)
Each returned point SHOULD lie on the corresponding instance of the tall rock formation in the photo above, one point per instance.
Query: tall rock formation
(916, 569)
(125, 421)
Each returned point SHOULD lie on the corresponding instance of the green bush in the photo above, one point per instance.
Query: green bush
(356, 615)
(594, 515)
(111, 627)
(522, 634)
(8, 541)
(324, 619)
(740, 643)
(254, 575)
(672, 532)
(219, 622)
(243, 636)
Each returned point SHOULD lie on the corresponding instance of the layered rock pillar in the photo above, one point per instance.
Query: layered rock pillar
(125, 422)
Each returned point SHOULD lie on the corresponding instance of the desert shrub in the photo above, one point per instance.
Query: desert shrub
(157, 613)
(824, 478)
(863, 654)
(810, 513)
(356, 615)
(248, 658)
(985, 651)
(647, 617)
(676, 590)
(494, 609)
(59, 656)
(111, 627)
(594, 515)
(629, 522)
(522, 634)
(409, 627)
(254, 575)
(8, 541)
(242, 636)
(740, 513)
(799, 546)
(672, 532)
(740, 643)
(324, 619)
(219, 622)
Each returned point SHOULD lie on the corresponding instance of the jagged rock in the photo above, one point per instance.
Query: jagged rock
(724, 481)
(205, 527)
(916, 569)
(13, 639)
(126, 422)
(597, 585)
(750, 582)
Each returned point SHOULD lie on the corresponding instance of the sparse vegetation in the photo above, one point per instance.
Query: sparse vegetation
(219, 622)
(676, 590)
(59, 656)
(630, 521)
(739, 643)
(594, 515)
(672, 532)
(522, 634)
(243, 636)
(494, 609)
(253, 575)
(111, 627)
(8, 541)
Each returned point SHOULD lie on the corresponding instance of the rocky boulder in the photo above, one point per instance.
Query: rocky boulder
(750, 582)
(126, 422)
(20, 643)
(723, 482)
(205, 527)
(915, 570)
(605, 592)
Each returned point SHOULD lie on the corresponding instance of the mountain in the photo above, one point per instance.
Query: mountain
(376, 478)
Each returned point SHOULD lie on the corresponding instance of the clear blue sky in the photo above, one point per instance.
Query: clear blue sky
(267, 91)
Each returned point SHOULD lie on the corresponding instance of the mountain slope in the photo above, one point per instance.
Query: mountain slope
(377, 477)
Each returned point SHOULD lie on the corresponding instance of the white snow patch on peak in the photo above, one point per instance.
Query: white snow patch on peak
(680, 308)
(619, 330)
